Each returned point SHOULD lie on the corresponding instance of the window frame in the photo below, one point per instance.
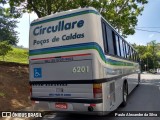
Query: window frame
(104, 34)
(127, 52)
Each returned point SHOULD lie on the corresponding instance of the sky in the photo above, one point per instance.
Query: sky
(150, 18)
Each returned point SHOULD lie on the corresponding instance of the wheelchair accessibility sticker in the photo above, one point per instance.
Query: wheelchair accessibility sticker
(37, 73)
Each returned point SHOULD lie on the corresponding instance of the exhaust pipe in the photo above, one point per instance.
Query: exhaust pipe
(90, 109)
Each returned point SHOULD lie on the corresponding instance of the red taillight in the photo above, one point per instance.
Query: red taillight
(93, 105)
(97, 90)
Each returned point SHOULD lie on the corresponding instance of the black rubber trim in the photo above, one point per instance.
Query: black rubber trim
(78, 81)
(70, 100)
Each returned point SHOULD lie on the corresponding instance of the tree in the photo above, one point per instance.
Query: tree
(153, 48)
(149, 55)
(158, 58)
(122, 14)
(5, 48)
(7, 26)
(141, 49)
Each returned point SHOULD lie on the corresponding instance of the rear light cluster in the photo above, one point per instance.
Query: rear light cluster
(97, 90)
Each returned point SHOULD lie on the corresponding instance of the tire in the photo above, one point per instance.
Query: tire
(124, 95)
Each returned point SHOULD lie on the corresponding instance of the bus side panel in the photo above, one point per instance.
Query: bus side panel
(133, 79)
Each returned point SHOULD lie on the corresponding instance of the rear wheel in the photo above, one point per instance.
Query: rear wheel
(125, 94)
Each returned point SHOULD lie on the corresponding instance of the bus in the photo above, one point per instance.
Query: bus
(79, 63)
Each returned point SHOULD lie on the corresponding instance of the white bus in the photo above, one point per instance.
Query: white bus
(79, 63)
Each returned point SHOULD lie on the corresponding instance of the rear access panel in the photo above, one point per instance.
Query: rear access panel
(70, 70)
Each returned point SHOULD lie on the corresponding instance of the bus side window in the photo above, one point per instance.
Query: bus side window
(124, 49)
(114, 43)
(121, 47)
(131, 53)
(127, 51)
(117, 45)
(104, 32)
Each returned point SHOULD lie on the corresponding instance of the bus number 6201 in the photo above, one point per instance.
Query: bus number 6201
(80, 69)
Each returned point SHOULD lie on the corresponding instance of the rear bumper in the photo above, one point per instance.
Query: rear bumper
(69, 100)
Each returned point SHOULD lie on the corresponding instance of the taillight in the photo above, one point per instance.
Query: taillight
(97, 90)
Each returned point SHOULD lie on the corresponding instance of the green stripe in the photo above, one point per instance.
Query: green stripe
(118, 63)
(65, 16)
(72, 49)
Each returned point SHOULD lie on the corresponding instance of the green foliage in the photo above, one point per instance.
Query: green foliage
(7, 26)
(11, 12)
(149, 55)
(17, 55)
(4, 49)
(158, 55)
(7, 32)
(122, 14)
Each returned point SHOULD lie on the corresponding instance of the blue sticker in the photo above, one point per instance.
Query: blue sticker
(37, 73)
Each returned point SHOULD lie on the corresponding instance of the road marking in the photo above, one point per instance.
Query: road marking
(147, 83)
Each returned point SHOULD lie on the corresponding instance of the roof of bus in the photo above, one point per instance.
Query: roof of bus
(64, 13)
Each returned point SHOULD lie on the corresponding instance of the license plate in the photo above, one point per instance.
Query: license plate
(61, 105)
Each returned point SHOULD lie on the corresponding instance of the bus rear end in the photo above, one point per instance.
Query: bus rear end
(62, 64)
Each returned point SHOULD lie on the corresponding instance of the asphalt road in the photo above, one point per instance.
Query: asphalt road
(146, 97)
